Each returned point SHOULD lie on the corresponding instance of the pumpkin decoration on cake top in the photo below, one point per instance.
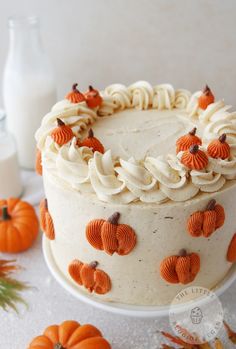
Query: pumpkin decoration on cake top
(62, 134)
(92, 142)
(181, 268)
(194, 158)
(38, 162)
(93, 98)
(185, 142)
(219, 148)
(204, 223)
(75, 96)
(87, 275)
(110, 236)
(70, 335)
(46, 221)
(231, 253)
(19, 225)
(206, 98)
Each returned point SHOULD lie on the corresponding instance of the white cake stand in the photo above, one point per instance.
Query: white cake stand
(119, 308)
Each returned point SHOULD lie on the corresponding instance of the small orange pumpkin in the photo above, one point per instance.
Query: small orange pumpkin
(92, 142)
(46, 221)
(19, 225)
(70, 335)
(231, 253)
(38, 162)
(62, 134)
(110, 236)
(93, 279)
(180, 269)
(75, 96)
(93, 98)
(194, 158)
(184, 142)
(206, 98)
(204, 223)
(219, 148)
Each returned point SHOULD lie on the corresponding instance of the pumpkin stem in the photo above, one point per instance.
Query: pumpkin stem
(193, 132)
(194, 149)
(113, 219)
(60, 122)
(222, 138)
(206, 90)
(93, 264)
(90, 133)
(46, 203)
(5, 214)
(211, 205)
(74, 87)
(58, 346)
(183, 253)
(91, 88)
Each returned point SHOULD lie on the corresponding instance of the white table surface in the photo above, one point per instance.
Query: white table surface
(49, 303)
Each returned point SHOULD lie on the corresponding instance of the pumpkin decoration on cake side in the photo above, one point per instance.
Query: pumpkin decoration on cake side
(231, 253)
(92, 142)
(93, 98)
(206, 98)
(70, 335)
(205, 223)
(38, 162)
(194, 158)
(75, 96)
(87, 275)
(219, 148)
(110, 236)
(181, 268)
(185, 142)
(46, 221)
(19, 225)
(62, 134)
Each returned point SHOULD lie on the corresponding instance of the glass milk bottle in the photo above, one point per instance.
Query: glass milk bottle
(10, 181)
(28, 86)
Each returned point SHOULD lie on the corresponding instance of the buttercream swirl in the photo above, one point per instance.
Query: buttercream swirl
(207, 181)
(120, 93)
(182, 98)
(142, 94)
(164, 96)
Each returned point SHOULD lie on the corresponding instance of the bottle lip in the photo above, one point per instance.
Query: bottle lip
(22, 21)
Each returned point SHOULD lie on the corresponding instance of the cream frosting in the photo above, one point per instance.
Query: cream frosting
(152, 177)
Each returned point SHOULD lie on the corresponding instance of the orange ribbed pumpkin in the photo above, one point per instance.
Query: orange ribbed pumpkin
(206, 98)
(38, 162)
(231, 253)
(93, 98)
(92, 142)
(219, 148)
(182, 268)
(46, 221)
(62, 134)
(19, 225)
(194, 158)
(75, 96)
(204, 223)
(185, 142)
(87, 275)
(70, 335)
(110, 236)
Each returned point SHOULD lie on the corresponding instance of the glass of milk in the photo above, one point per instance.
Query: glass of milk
(29, 89)
(10, 180)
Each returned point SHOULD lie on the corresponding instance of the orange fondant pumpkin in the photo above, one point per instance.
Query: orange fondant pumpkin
(219, 148)
(18, 225)
(38, 162)
(231, 253)
(92, 142)
(93, 279)
(62, 134)
(46, 221)
(110, 236)
(206, 98)
(204, 223)
(93, 98)
(180, 269)
(70, 335)
(75, 96)
(194, 158)
(185, 142)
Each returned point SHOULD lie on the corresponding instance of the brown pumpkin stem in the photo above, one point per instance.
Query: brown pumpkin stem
(5, 214)
(206, 90)
(113, 219)
(211, 205)
(183, 253)
(91, 88)
(194, 149)
(93, 264)
(74, 87)
(193, 132)
(58, 346)
(60, 122)
(222, 138)
(90, 133)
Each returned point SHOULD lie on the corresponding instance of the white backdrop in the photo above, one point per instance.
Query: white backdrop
(185, 42)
